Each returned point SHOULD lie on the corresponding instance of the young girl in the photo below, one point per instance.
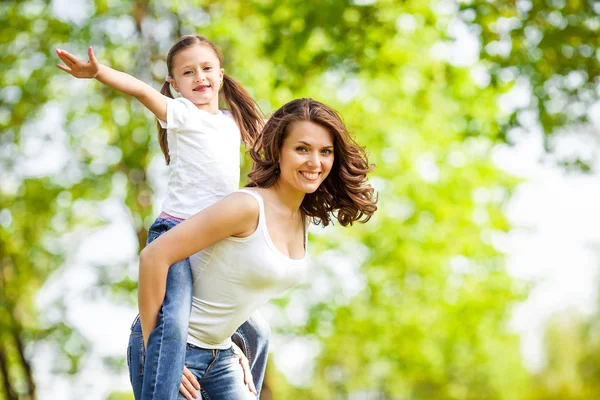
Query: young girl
(201, 145)
(306, 166)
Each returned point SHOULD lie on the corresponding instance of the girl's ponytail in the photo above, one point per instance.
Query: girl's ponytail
(244, 110)
(162, 132)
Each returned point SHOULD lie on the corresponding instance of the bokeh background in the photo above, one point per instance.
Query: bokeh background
(477, 277)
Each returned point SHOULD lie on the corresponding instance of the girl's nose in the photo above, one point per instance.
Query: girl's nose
(200, 75)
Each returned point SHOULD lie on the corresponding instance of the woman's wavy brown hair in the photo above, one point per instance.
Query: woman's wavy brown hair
(345, 194)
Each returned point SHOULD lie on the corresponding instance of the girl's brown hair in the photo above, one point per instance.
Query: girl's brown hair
(345, 194)
(245, 111)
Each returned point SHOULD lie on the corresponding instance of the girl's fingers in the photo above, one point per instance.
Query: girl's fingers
(187, 385)
(246, 370)
(65, 60)
(61, 67)
(91, 55)
(248, 380)
(188, 374)
(70, 57)
(185, 392)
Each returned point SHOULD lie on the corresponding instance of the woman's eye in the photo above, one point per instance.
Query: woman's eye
(327, 152)
(301, 149)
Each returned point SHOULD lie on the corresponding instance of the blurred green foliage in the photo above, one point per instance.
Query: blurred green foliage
(552, 45)
(427, 315)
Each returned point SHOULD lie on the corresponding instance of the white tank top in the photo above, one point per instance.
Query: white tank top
(233, 278)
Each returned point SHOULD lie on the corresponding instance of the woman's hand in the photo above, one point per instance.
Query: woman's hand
(189, 385)
(79, 68)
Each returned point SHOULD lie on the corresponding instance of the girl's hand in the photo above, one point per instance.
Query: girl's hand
(189, 385)
(79, 68)
(246, 367)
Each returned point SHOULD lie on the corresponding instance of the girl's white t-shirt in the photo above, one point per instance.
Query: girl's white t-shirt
(205, 157)
(233, 278)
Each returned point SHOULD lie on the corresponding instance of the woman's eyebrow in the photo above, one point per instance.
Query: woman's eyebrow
(310, 145)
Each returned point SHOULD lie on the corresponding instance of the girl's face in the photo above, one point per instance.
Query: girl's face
(197, 75)
(306, 156)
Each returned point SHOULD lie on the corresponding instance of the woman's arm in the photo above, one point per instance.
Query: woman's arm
(235, 215)
(146, 94)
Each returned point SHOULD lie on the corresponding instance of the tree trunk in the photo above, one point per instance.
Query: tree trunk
(9, 391)
(24, 362)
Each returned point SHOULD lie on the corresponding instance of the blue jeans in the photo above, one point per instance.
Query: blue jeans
(219, 373)
(155, 374)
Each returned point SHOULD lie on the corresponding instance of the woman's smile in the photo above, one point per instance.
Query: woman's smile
(311, 176)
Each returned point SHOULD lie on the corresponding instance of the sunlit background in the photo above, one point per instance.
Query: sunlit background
(476, 279)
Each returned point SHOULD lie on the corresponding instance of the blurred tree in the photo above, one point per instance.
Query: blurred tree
(60, 154)
(412, 305)
(550, 48)
(572, 368)
(120, 396)
(429, 317)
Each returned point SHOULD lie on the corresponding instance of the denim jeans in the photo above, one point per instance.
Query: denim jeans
(155, 374)
(218, 372)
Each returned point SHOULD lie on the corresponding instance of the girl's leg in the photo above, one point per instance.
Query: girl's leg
(165, 353)
(219, 373)
(156, 372)
(135, 358)
(253, 338)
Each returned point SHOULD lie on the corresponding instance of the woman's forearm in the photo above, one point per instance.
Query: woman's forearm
(151, 292)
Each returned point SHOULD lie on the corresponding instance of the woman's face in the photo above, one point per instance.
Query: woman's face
(306, 156)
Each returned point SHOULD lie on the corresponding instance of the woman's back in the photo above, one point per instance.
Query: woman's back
(233, 277)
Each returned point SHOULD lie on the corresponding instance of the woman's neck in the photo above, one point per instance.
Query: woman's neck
(289, 199)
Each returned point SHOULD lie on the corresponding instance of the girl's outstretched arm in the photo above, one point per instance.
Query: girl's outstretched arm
(146, 94)
(235, 215)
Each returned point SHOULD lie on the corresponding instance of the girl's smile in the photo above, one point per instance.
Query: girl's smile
(197, 75)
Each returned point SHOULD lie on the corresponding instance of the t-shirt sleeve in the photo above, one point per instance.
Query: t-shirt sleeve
(178, 112)
(229, 115)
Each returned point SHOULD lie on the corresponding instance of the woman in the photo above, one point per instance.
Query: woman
(251, 246)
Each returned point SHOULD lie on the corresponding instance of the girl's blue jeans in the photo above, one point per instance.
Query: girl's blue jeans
(155, 374)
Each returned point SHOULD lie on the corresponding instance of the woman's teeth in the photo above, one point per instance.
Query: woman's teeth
(310, 175)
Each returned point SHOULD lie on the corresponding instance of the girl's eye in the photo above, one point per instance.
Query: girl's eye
(187, 72)
(207, 68)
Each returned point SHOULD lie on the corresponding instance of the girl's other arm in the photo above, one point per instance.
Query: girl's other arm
(146, 94)
(235, 215)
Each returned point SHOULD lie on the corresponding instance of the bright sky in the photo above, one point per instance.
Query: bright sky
(555, 240)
